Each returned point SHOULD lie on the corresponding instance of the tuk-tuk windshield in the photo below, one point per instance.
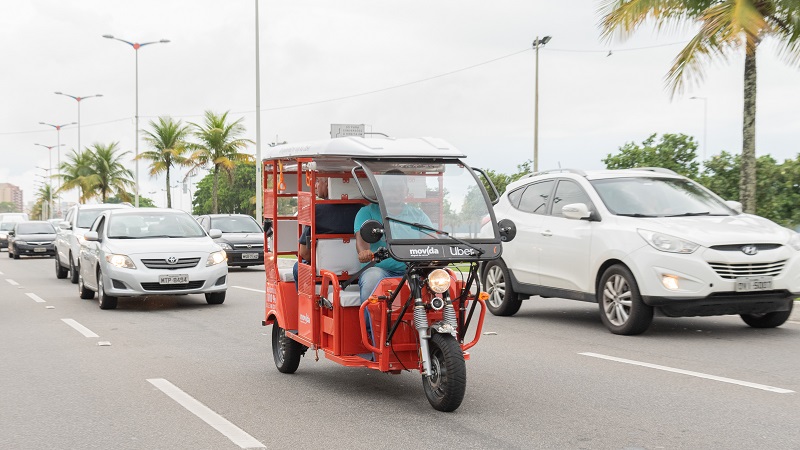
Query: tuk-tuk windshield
(443, 195)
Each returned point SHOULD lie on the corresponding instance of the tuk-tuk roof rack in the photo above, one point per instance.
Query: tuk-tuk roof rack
(355, 147)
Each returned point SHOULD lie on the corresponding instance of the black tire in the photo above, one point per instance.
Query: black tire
(73, 270)
(285, 351)
(503, 301)
(768, 320)
(83, 291)
(10, 255)
(621, 307)
(61, 271)
(447, 383)
(106, 301)
(16, 255)
(215, 298)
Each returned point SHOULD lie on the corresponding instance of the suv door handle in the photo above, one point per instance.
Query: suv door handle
(547, 233)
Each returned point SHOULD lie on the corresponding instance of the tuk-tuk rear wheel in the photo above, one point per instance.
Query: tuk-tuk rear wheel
(447, 383)
(285, 351)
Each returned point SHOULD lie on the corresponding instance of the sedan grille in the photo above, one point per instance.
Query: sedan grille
(257, 246)
(172, 287)
(732, 271)
(181, 263)
(40, 242)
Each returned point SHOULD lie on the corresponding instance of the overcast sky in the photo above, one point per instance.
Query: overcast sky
(395, 66)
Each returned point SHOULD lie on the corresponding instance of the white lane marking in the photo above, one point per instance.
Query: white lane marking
(219, 423)
(690, 373)
(35, 297)
(250, 289)
(81, 329)
(12, 282)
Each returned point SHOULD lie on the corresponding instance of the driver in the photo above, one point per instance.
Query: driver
(394, 190)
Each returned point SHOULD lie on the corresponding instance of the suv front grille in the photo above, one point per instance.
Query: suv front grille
(172, 287)
(182, 263)
(732, 271)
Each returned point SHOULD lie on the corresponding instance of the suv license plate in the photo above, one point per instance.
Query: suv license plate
(749, 284)
(173, 279)
(39, 249)
(249, 255)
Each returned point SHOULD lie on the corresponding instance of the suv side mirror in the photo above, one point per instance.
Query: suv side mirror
(576, 211)
(734, 205)
(371, 231)
(508, 230)
(215, 233)
(91, 236)
(64, 226)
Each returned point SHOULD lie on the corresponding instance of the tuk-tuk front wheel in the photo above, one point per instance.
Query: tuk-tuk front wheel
(285, 351)
(447, 383)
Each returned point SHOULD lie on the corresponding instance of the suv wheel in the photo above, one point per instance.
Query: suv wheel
(768, 320)
(621, 308)
(61, 272)
(503, 301)
(73, 270)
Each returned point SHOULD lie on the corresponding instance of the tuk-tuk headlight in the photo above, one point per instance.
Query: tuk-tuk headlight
(439, 281)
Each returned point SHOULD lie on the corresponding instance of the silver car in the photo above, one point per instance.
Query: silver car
(150, 251)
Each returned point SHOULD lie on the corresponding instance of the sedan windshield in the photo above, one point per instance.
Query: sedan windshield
(658, 197)
(36, 228)
(7, 226)
(149, 225)
(234, 224)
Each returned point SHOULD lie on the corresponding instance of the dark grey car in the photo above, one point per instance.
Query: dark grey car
(33, 238)
(242, 237)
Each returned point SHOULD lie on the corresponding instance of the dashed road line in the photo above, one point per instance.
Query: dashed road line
(219, 423)
(12, 282)
(80, 328)
(35, 297)
(250, 289)
(763, 387)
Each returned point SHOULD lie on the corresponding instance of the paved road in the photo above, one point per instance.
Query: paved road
(178, 373)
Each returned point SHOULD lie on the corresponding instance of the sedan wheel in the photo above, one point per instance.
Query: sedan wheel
(83, 291)
(621, 307)
(61, 272)
(73, 270)
(106, 301)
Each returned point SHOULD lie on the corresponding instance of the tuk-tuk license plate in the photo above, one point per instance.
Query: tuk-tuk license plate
(249, 255)
(39, 249)
(173, 279)
(750, 284)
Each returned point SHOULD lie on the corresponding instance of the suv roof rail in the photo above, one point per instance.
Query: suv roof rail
(544, 172)
(655, 169)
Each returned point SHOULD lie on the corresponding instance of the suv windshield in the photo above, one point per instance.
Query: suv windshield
(35, 228)
(86, 217)
(234, 224)
(442, 195)
(153, 225)
(658, 197)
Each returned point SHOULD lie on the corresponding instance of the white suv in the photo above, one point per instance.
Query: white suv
(70, 233)
(640, 239)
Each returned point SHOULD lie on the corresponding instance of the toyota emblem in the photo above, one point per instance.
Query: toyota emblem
(172, 260)
(749, 249)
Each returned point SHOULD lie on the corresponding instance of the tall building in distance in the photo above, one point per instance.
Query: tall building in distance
(12, 194)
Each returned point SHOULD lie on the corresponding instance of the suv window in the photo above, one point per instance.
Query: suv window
(534, 199)
(569, 192)
(87, 217)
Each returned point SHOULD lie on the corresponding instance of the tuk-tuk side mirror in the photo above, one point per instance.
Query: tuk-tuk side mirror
(508, 231)
(494, 196)
(371, 231)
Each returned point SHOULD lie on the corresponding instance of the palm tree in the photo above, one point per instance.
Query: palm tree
(42, 204)
(75, 172)
(168, 139)
(110, 176)
(726, 26)
(219, 147)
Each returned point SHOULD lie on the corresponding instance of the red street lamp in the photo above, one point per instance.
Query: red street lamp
(136, 46)
(78, 99)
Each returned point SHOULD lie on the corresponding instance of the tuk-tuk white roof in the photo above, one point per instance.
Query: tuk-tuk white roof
(355, 147)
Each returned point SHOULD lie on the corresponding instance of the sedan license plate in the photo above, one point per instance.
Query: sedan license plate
(249, 255)
(750, 284)
(173, 279)
(39, 249)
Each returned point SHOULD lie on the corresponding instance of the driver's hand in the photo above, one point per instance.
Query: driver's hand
(365, 256)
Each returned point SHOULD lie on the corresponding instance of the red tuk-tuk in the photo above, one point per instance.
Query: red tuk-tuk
(424, 318)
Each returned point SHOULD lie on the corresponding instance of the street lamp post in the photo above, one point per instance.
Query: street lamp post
(78, 99)
(58, 167)
(136, 46)
(536, 44)
(705, 123)
(259, 178)
(50, 171)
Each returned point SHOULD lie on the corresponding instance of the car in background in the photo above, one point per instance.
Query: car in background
(150, 251)
(14, 217)
(70, 233)
(635, 241)
(5, 227)
(242, 237)
(31, 238)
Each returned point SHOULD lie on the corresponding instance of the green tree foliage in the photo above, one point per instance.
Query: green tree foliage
(673, 151)
(167, 137)
(41, 205)
(236, 195)
(144, 202)
(75, 172)
(501, 180)
(6, 207)
(98, 171)
(723, 27)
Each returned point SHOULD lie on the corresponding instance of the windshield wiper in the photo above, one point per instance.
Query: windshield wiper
(635, 215)
(689, 214)
(440, 232)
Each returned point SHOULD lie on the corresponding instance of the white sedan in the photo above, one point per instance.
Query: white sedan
(149, 251)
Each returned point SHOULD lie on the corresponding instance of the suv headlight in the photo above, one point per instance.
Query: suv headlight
(121, 261)
(216, 258)
(18, 242)
(225, 245)
(666, 243)
(794, 241)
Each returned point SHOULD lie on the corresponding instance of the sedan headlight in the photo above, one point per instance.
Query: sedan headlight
(18, 242)
(216, 258)
(225, 245)
(120, 261)
(794, 241)
(666, 243)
